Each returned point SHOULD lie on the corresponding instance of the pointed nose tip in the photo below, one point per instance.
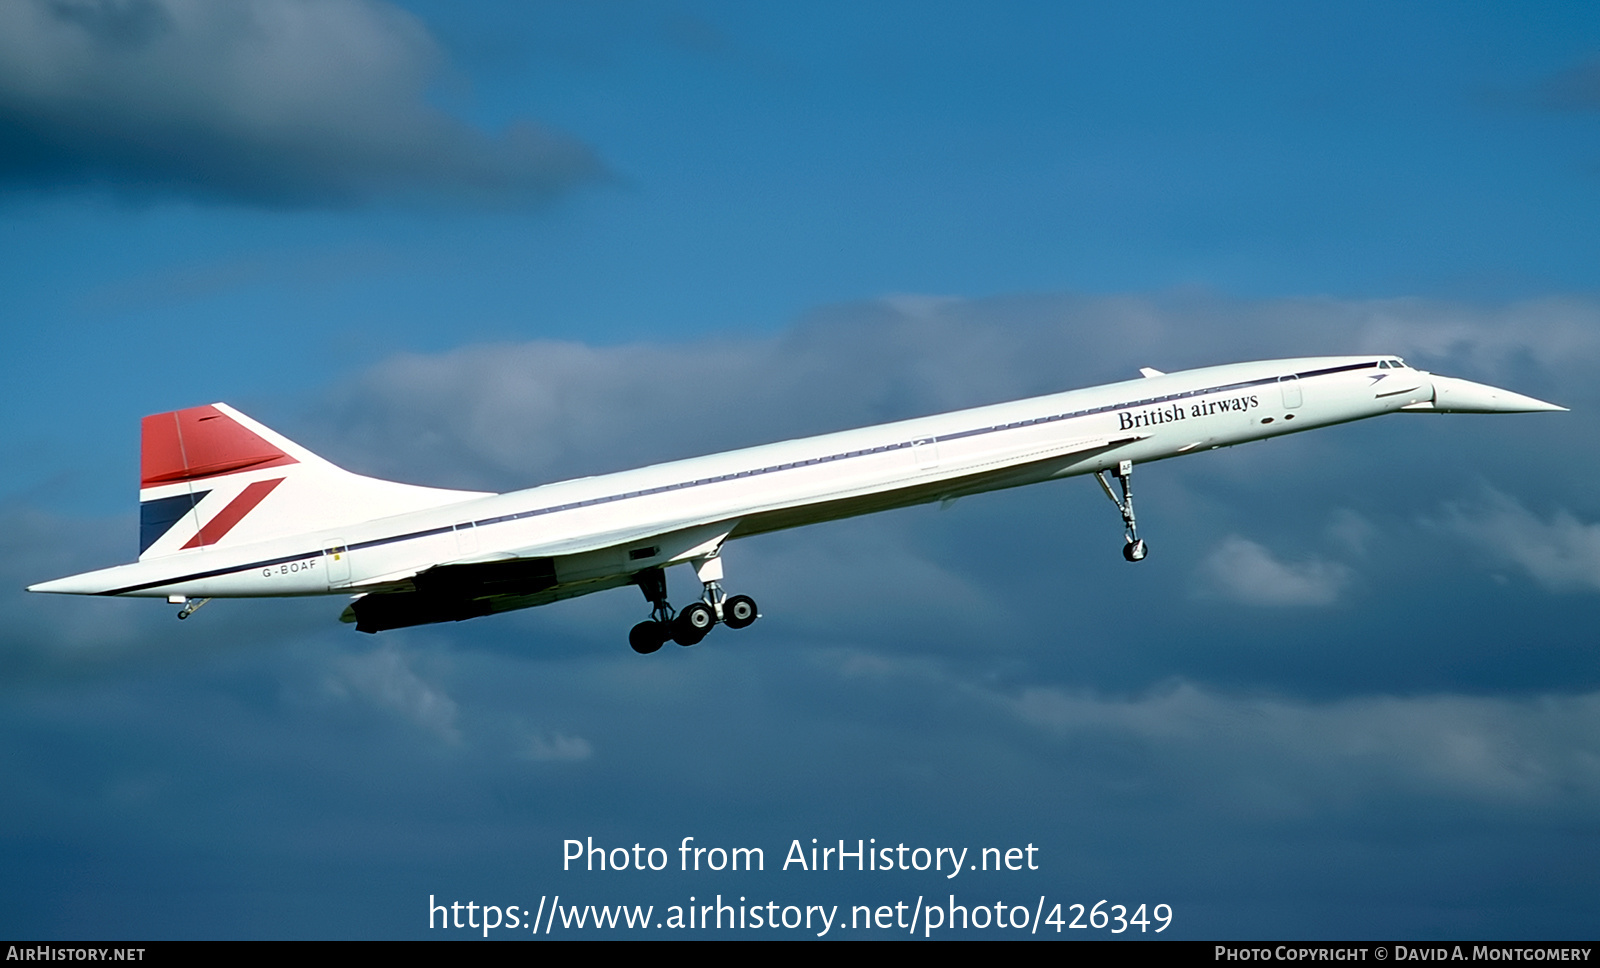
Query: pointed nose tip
(1453, 395)
(1533, 405)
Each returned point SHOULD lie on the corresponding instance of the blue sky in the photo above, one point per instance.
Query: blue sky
(1352, 693)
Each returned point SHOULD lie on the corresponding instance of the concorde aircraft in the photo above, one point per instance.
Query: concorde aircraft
(231, 509)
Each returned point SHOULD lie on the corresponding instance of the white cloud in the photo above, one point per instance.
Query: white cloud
(524, 411)
(1243, 571)
(1554, 332)
(385, 678)
(557, 747)
(1561, 553)
(1276, 754)
(1351, 531)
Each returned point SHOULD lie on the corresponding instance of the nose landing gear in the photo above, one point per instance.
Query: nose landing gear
(1134, 548)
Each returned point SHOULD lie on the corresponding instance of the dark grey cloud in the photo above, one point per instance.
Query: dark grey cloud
(272, 102)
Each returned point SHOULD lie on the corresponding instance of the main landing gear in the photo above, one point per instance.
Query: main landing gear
(1134, 549)
(692, 624)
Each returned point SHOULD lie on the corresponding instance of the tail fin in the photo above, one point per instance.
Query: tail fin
(212, 476)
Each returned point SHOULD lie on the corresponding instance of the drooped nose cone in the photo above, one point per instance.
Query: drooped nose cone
(1454, 395)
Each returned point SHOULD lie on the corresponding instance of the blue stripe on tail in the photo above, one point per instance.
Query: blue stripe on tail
(158, 516)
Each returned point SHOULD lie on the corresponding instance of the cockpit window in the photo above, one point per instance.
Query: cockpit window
(1383, 364)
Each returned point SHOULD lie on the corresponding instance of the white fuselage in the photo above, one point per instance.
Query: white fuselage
(602, 529)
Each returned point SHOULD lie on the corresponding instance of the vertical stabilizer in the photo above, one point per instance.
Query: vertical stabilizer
(212, 476)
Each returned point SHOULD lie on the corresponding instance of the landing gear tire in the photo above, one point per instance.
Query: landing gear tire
(647, 637)
(739, 612)
(693, 623)
(1135, 550)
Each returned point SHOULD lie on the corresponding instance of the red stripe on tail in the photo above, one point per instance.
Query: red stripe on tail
(186, 445)
(231, 515)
